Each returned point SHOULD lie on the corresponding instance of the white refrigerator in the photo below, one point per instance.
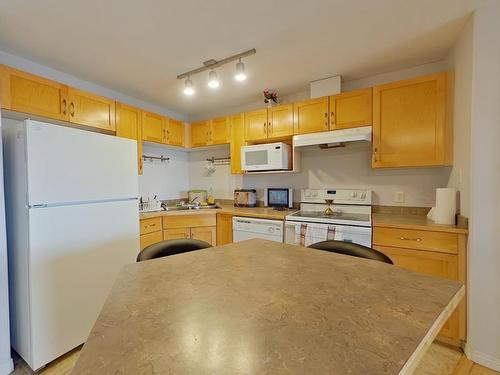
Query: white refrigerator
(72, 224)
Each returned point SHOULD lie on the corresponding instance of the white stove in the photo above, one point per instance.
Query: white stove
(327, 214)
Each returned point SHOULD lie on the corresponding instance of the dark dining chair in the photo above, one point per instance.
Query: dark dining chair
(349, 248)
(170, 247)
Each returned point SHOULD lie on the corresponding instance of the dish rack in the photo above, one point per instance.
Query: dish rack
(149, 205)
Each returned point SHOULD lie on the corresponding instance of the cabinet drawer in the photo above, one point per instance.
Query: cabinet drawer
(150, 225)
(150, 238)
(416, 239)
(183, 221)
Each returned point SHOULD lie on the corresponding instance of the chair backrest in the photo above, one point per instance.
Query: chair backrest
(171, 247)
(353, 249)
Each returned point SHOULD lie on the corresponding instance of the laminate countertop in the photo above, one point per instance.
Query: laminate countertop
(261, 307)
(257, 212)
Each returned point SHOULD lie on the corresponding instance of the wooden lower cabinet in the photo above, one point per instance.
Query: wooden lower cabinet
(207, 234)
(436, 253)
(224, 228)
(174, 233)
(150, 238)
(200, 226)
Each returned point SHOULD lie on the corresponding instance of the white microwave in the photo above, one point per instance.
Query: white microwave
(266, 157)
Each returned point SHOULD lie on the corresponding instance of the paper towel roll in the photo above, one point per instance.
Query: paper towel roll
(446, 206)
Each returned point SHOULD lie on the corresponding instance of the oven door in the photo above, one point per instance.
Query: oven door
(305, 234)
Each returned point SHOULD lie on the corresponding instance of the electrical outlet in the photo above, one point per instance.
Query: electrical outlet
(399, 197)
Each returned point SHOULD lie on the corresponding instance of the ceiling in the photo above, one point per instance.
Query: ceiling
(139, 47)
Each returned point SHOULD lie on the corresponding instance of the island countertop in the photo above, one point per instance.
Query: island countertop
(261, 307)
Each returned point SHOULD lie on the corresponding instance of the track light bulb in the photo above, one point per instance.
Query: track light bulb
(188, 87)
(240, 72)
(213, 82)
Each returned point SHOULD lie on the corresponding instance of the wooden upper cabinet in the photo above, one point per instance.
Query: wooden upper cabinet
(410, 125)
(128, 125)
(152, 127)
(256, 125)
(237, 140)
(311, 116)
(174, 132)
(351, 109)
(200, 133)
(219, 132)
(24, 92)
(91, 110)
(280, 121)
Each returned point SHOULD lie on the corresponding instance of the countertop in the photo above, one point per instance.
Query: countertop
(257, 212)
(261, 307)
(419, 222)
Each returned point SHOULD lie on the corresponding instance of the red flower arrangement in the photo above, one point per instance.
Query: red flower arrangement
(270, 96)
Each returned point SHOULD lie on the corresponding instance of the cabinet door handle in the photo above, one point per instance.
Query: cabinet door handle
(375, 150)
(64, 106)
(265, 128)
(270, 127)
(332, 117)
(72, 109)
(326, 120)
(417, 239)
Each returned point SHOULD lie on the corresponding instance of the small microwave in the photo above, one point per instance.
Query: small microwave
(266, 157)
(278, 197)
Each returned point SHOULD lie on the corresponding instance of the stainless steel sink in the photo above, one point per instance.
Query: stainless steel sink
(175, 208)
(186, 208)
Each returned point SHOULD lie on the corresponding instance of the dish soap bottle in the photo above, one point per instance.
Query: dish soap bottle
(210, 198)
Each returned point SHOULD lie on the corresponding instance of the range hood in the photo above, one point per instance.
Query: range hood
(334, 138)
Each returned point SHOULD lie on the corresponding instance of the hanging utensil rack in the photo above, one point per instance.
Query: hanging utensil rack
(153, 158)
(219, 161)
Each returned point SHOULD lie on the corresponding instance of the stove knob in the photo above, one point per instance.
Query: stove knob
(363, 195)
(315, 193)
(354, 194)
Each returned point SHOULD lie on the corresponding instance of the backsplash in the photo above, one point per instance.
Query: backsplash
(348, 167)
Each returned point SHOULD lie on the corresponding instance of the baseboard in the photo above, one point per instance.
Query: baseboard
(482, 358)
(6, 367)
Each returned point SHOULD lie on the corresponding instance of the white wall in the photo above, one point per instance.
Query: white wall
(167, 180)
(483, 344)
(5, 360)
(221, 181)
(350, 167)
(460, 60)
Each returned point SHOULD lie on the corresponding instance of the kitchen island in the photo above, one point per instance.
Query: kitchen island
(258, 307)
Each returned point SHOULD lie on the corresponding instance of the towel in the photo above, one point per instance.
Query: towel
(307, 234)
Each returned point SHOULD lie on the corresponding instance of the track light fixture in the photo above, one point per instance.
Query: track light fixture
(188, 87)
(211, 65)
(213, 82)
(240, 72)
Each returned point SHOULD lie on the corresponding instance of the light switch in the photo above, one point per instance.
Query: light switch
(399, 197)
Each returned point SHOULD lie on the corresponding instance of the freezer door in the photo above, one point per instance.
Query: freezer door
(71, 165)
(76, 254)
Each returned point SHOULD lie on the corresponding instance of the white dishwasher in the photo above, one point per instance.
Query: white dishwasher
(245, 228)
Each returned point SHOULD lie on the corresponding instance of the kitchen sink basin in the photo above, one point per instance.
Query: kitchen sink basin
(187, 208)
